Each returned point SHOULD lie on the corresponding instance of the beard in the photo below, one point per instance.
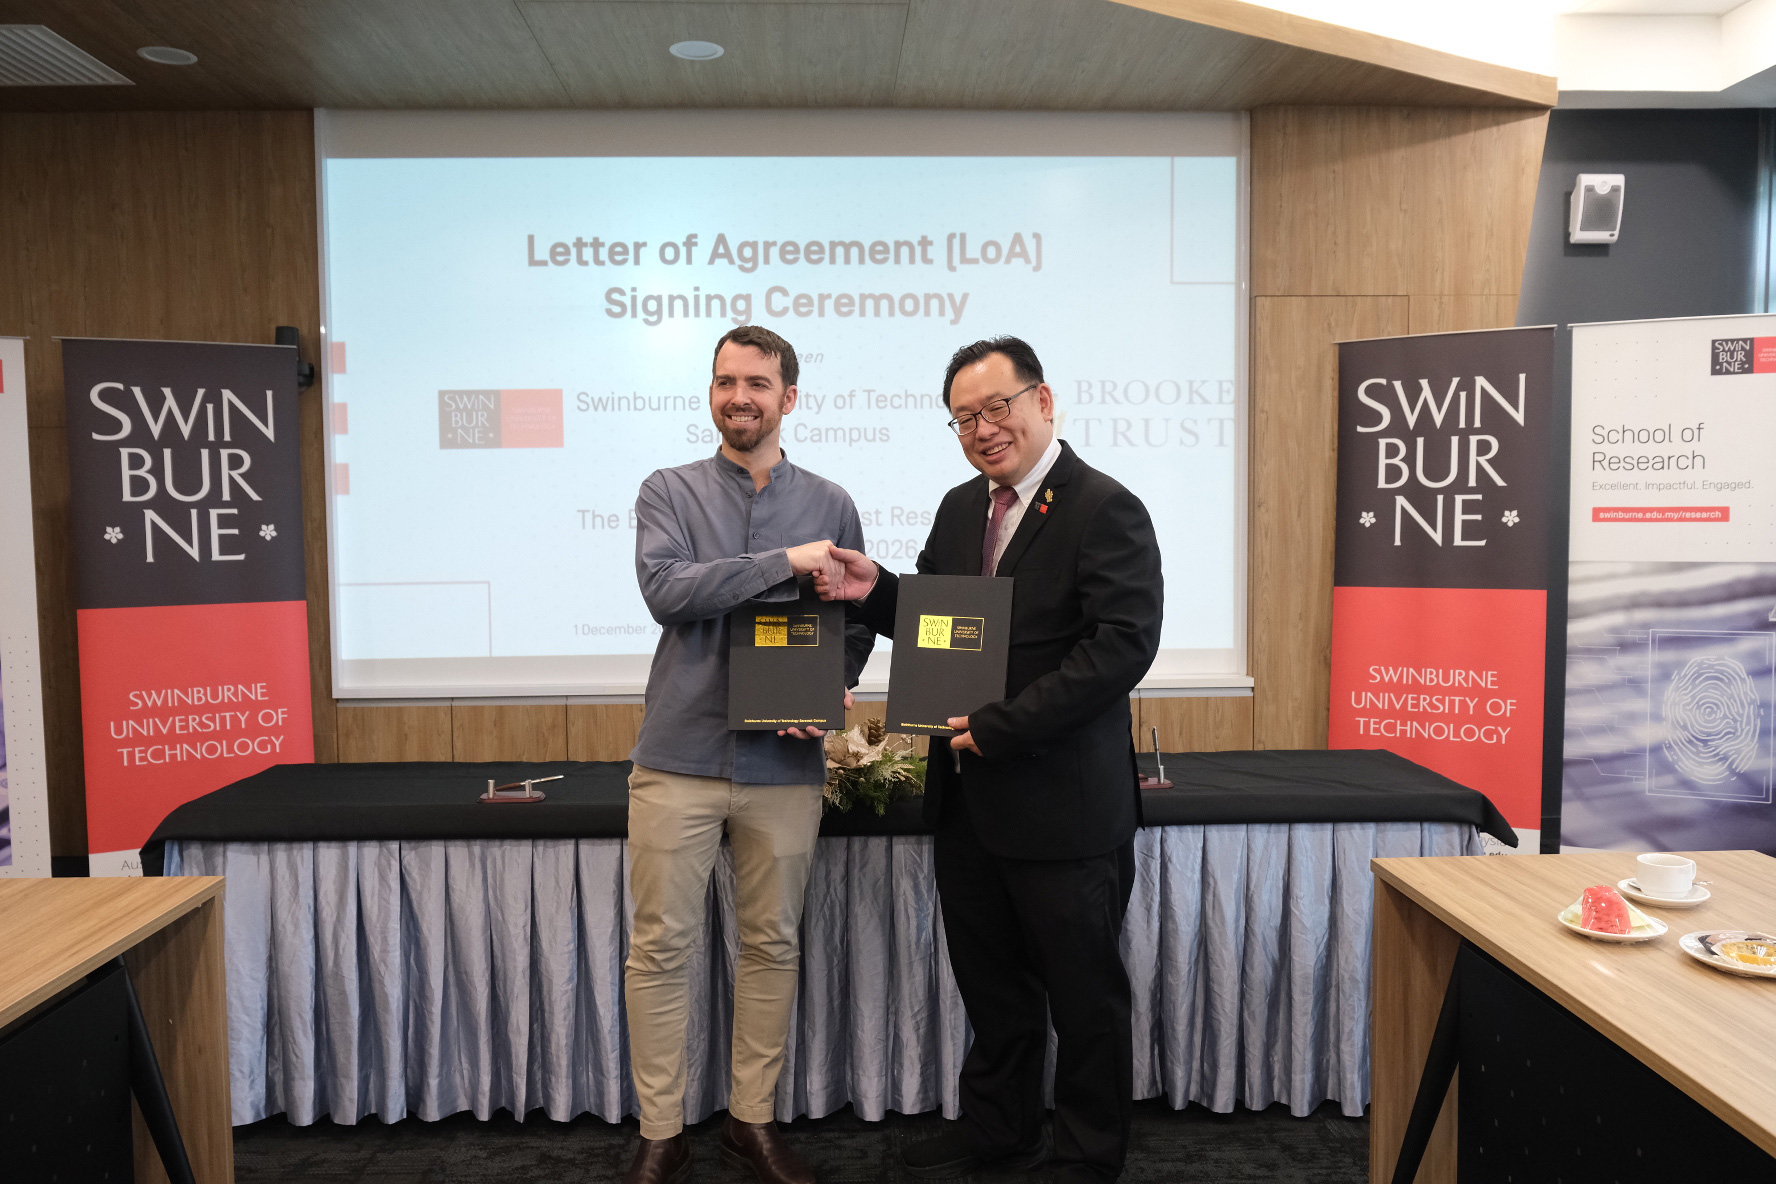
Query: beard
(744, 437)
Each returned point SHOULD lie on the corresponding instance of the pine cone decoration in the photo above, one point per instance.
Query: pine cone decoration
(876, 732)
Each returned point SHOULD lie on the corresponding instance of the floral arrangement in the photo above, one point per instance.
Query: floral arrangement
(866, 764)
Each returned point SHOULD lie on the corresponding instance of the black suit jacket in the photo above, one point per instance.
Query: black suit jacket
(1056, 776)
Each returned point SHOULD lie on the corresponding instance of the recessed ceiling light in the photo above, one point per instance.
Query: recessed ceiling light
(166, 55)
(697, 51)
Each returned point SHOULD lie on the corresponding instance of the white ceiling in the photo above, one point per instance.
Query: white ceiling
(1605, 53)
(1650, 7)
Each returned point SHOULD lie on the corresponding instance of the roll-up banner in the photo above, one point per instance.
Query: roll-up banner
(1441, 571)
(1671, 616)
(24, 795)
(192, 611)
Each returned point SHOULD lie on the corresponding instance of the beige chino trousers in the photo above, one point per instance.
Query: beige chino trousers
(675, 830)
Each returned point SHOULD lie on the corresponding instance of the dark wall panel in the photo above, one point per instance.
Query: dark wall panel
(1688, 228)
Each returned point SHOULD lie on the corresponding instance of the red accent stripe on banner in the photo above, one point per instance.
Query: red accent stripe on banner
(180, 700)
(1449, 677)
(1661, 513)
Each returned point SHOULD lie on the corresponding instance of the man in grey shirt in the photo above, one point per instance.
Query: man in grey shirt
(740, 525)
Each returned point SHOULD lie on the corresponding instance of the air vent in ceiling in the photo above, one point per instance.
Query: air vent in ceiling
(32, 55)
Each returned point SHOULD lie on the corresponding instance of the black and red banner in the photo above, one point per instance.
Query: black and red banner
(192, 604)
(1441, 577)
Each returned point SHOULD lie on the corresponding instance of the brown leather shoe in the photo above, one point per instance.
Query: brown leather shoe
(760, 1148)
(661, 1161)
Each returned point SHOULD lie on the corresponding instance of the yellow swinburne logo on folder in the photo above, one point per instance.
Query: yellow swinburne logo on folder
(951, 633)
(799, 629)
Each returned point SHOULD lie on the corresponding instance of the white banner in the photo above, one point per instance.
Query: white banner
(1671, 616)
(24, 797)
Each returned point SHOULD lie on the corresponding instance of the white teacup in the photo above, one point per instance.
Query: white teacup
(1666, 875)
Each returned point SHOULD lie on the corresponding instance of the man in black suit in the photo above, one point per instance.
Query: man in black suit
(1035, 833)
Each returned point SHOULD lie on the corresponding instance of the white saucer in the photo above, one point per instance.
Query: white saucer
(1631, 889)
(1645, 928)
(1691, 944)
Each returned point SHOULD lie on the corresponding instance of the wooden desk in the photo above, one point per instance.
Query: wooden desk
(169, 932)
(1652, 999)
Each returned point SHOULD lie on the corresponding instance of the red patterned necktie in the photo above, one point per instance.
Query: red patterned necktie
(1003, 496)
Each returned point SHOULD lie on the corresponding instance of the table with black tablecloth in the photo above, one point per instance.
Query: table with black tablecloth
(396, 947)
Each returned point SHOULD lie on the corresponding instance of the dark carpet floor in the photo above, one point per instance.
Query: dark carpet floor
(1261, 1147)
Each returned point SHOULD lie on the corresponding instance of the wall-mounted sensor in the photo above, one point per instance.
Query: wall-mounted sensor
(1596, 208)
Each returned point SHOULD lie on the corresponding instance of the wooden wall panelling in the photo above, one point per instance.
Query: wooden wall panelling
(1368, 201)
(1294, 471)
(1195, 723)
(1366, 222)
(196, 226)
(509, 731)
(405, 733)
(202, 226)
(1452, 314)
(602, 731)
(863, 711)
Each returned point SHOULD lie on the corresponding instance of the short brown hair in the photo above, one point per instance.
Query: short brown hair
(767, 343)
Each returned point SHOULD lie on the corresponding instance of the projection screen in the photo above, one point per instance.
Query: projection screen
(520, 308)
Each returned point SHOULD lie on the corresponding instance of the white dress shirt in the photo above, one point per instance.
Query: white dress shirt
(1025, 489)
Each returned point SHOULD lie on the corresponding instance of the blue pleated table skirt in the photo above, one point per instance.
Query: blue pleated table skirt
(426, 978)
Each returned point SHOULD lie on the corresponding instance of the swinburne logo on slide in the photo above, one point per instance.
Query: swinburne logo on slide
(1742, 355)
(500, 419)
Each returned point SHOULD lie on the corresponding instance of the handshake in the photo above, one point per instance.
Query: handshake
(842, 574)
(839, 573)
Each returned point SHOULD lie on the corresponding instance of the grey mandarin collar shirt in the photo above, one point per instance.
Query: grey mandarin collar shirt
(706, 542)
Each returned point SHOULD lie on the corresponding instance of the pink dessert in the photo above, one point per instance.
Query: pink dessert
(1603, 910)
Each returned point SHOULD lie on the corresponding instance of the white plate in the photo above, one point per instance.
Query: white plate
(1691, 944)
(1631, 889)
(1644, 928)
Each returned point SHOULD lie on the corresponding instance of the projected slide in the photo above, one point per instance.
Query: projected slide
(516, 342)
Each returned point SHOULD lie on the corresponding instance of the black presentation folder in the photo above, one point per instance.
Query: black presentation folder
(786, 664)
(951, 637)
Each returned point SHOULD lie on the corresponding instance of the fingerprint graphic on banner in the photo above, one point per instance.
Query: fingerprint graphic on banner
(1710, 734)
(1712, 719)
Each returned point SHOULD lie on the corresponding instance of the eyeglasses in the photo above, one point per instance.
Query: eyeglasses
(993, 412)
